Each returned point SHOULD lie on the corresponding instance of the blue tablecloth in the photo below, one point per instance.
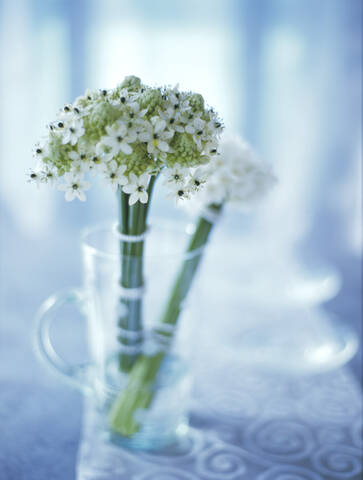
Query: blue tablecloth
(40, 416)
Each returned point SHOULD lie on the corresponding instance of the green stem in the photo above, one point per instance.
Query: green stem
(132, 221)
(141, 387)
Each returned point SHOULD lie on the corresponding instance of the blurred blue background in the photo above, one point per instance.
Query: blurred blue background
(284, 73)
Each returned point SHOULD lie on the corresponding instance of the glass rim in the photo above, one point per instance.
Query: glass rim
(162, 224)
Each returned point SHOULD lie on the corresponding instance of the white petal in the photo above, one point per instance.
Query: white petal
(150, 148)
(189, 129)
(129, 188)
(159, 125)
(143, 197)
(133, 198)
(112, 165)
(163, 146)
(70, 194)
(125, 147)
(144, 136)
(122, 180)
(81, 195)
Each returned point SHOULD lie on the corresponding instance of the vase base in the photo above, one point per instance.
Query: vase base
(150, 442)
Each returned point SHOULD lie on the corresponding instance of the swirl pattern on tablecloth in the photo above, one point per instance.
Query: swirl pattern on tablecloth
(222, 461)
(286, 472)
(330, 407)
(331, 434)
(280, 440)
(338, 461)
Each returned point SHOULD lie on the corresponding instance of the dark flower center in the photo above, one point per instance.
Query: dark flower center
(119, 138)
(75, 186)
(60, 124)
(123, 99)
(39, 150)
(199, 132)
(155, 136)
(140, 189)
(72, 130)
(181, 193)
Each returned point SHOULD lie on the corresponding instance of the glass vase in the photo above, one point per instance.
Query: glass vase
(140, 334)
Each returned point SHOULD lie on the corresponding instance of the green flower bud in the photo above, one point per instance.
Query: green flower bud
(151, 99)
(196, 101)
(137, 162)
(185, 151)
(131, 83)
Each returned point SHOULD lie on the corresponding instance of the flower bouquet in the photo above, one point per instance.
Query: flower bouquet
(131, 136)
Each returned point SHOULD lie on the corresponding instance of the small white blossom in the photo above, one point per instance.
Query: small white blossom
(72, 132)
(48, 175)
(114, 175)
(235, 175)
(40, 151)
(175, 175)
(173, 119)
(179, 193)
(34, 177)
(197, 129)
(197, 180)
(80, 164)
(73, 187)
(137, 188)
(118, 138)
(156, 136)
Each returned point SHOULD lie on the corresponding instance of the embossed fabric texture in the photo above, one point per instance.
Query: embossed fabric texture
(247, 425)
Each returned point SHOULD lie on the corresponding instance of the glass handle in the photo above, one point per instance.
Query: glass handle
(78, 374)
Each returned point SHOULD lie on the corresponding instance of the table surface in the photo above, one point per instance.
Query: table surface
(40, 416)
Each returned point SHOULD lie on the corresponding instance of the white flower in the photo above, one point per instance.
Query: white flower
(137, 188)
(80, 164)
(173, 119)
(40, 150)
(156, 136)
(125, 98)
(175, 175)
(197, 180)
(235, 175)
(48, 175)
(73, 187)
(114, 174)
(197, 129)
(72, 131)
(34, 177)
(118, 138)
(177, 100)
(179, 193)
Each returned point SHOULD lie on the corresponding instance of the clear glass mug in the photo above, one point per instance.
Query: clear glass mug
(139, 371)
